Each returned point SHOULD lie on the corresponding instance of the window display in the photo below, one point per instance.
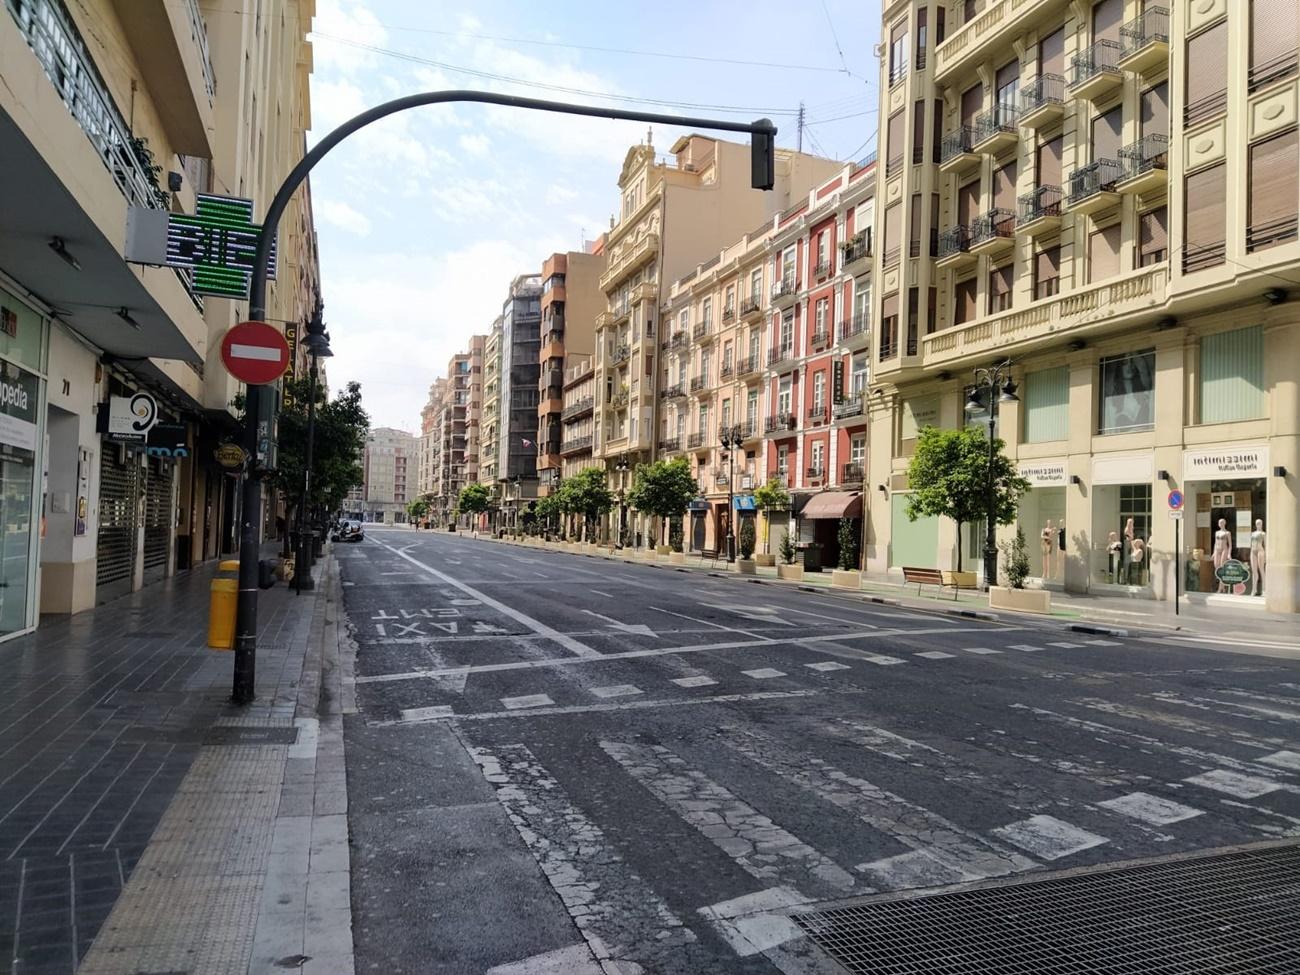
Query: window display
(1226, 549)
(1122, 529)
(1127, 386)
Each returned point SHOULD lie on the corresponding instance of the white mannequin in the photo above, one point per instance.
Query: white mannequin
(1222, 549)
(1115, 553)
(1137, 554)
(1258, 558)
(1049, 546)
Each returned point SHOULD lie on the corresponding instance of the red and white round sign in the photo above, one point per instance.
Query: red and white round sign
(255, 353)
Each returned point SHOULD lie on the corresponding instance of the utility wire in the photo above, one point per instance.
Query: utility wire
(837, 118)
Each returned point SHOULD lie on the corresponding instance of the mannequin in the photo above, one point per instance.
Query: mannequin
(1258, 558)
(1222, 550)
(1114, 555)
(1137, 554)
(1049, 546)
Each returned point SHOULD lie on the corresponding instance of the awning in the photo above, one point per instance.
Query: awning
(697, 504)
(834, 504)
(744, 502)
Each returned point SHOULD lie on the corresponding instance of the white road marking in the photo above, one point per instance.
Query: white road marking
(917, 868)
(607, 595)
(1048, 837)
(1234, 783)
(526, 701)
(1283, 759)
(641, 705)
(576, 960)
(883, 660)
(1103, 643)
(617, 690)
(1150, 809)
(748, 923)
(823, 616)
(538, 627)
(826, 666)
(934, 655)
(638, 628)
(1025, 647)
(1067, 646)
(697, 681)
(763, 673)
(759, 614)
(980, 650)
(427, 714)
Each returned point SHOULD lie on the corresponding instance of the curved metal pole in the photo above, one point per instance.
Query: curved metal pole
(251, 516)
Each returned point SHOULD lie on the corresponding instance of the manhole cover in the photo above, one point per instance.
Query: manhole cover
(240, 735)
(1230, 912)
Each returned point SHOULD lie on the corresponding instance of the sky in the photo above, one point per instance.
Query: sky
(425, 217)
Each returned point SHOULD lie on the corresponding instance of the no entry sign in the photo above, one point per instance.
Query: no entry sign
(255, 353)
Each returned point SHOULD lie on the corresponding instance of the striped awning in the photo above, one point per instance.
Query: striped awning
(834, 504)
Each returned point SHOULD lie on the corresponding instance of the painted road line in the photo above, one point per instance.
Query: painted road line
(575, 960)
(934, 655)
(759, 846)
(697, 681)
(619, 915)
(823, 616)
(426, 714)
(1065, 645)
(826, 666)
(526, 701)
(1103, 643)
(1048, 838)
(1024, 647)
(654, 703)
(1284, 760)
(883, 660)
(764, 673)
(979, 650)
(617, 690)
(1150, 809)
(756, 922)
(1234, 784)
(607, 595)
(541, 629)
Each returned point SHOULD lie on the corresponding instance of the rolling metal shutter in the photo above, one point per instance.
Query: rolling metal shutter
(118, 487)
(157, 518)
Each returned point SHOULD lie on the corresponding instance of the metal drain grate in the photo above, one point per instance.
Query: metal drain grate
(1232, 912)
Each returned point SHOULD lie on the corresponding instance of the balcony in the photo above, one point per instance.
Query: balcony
(820, 338)
(620, 355)
(1146, 41)
(699, 384)
(582, 407)
(750, 308)
(1042, 101)
(1095, 71)
(1144, 165)
(619, 400)
(854, 331)
(1092, 187)
(1040, 211)
(780, 356)
(748, 367)
(728, 314)
(670, 445)
(993, 232)
(954, 247)
(703, 331)
(575, 445)
(695, 441)
(750, 430)
(818, 415)
(728, 371)
(850, 408)
(784, 291)
(631, 256)
(956, 151)
(1114, 303)
(821, 269)
(780, 424)
(677, 341)
(674, 391)
(815, 473)
(856, 248)
(990, 30)
(996, 129)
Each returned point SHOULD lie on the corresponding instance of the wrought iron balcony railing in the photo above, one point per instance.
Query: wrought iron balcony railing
(857, 325)
(1048, 89)
(674, 391)
(998, 223)
(1041, 201)
(1151, 152)
(1149, 27)
(1101, 57)
(1096, 177)
(845, 409)
(1000, 119)
(954, 240)
(780, 423)
(857, 247)
(852, 474)
(956, 143)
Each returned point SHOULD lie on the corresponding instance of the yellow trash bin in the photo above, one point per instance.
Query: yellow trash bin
(223, 594)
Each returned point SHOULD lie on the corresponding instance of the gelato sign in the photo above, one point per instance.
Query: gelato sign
(1044, 473)
(1225, 463)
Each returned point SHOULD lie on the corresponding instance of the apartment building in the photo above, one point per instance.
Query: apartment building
(673, 215)
(1105, 195)
(520, 394)
(489, 443)
(105, 108)
(577, 417)
(429, 449)
(766, 344)
(388, 471)
(571, 300)
(473, 416)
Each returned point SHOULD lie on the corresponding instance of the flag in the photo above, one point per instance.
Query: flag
(526, 442)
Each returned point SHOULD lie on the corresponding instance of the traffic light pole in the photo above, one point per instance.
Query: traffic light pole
(762, 176)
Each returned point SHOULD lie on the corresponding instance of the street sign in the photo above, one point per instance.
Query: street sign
(255, 353)
(1176, 514)
(1175, 500)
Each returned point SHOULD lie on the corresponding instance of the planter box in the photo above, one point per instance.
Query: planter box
(1021, 600)
(790, 573)
(663, 550)
(677, 558)
(846, 578)
(765, 558)
(747, 567)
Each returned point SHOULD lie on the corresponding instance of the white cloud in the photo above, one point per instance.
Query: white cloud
(340, 214)
(471, 198)
(350, 19)
(559, 193)
(475, 144)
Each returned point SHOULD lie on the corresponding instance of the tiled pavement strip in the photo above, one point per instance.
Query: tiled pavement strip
(129, 784)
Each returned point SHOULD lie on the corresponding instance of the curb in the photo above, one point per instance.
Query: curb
(973, 614)
(1097, 629)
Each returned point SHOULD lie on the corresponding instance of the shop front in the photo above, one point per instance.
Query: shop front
(1225, 545)
(1119, 549)
(1041, 517)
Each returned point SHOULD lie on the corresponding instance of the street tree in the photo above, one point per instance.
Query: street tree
(663, 489)
(948, 477)
(768, 498)
(587, 496)
(848, 541)
(416, 510)
(548, 510)
(473, 499)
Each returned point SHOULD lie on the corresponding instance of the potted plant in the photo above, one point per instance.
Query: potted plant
(787, 570)
(676, 539)
(769, 498)
(746, 565)
(847, 575)
(1015, 569)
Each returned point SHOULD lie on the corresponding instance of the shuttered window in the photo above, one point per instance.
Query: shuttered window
(918, 132)
(1153, 237)
(1103, 253)
(898, 52)
(1047, 272)
(1205, 226)
(1051, 54)
(1047, 405)
(922, 37)
(963, 301)
(1273, 192)
(1004, 187)
(1232, 375)
(895, 143)
(914, 227)
(1207, 73)
(967, 202)
(1273, 31)
(893, 232)
(1107, 16)
(889, 327)
(936, 133)
(972, 99)
(934, 224)
(1155, 110)
(1007, 90)
(1106, 131)
(1049, 162)
(940, 25)
(1000, 282)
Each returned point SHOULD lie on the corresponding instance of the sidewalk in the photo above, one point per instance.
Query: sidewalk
(144, 817)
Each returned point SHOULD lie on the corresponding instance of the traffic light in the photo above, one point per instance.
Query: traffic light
(762, 155)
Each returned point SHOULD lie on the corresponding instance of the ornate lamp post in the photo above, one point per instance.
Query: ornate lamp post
(318, 347)
(621, 532)
(731, 438)
(995, 381)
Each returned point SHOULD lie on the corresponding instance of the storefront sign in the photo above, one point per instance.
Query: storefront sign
(230, 455)
(219, 241)
(1233, 572)
(130, 418)
(1124, 469)
(168, 440)
(1225, 463)
(1044, 473)
(18, 397)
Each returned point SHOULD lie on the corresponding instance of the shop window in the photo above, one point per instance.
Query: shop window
(1047, 405)
(1127, 391)
(1232, 375)
(1229, 527)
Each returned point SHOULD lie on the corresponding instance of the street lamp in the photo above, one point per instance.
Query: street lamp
(995, 380)
(318, 347)
(731, 438)
(622, 467)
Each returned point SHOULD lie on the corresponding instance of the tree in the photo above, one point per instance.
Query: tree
(416, 509)
(746, 538)
(948, 477)
(663, 489)
(586, 495)
(770, 497)
(787, 550)
(848, 539)
(473, 499)
(1016, 566)
(548, 509)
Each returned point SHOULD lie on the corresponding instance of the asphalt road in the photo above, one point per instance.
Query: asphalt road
(559, 758)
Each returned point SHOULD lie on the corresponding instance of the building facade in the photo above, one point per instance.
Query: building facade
(389, 470)
(521, 341)
(490, 441)
(1105, 195)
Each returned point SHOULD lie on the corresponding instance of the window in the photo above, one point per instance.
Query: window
(1106, 131)
(783, 397)
(684, 319)
(1051, 54)
(914, 227)
(1153, 237)
(862, 301)
(787, 332)
(706, 311)
(968, 198)
(1004, 195)
(1207, 73)
(821, 313)
(898, 52)
(1155, 110)
(858, 380)
(893, 233)
(817, 467)
(921, 37)
(1127, 389)
(1047, 405)
(1048, 168)
(1273, 199)
(1232, 375)
(819, 390)
(822, 260)
(913, 324)
(963, 301)
(931, 310)
(858, 451)
(1107, 16)
(751, 408)
(1047, 272)
(703, 428)
(936, 130)
(1007, 92)
(889, 327)
(756, 284)
(787, 267)
(940, 25)
(972, 100)
(1272, 41)
(1205, 224)
(726, 412)
(894, 142)
(1103, 253)
(918, 132)
(730, 304)
(934, 224)
(1000, 282)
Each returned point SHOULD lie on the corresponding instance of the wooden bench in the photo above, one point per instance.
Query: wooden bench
(943, 578)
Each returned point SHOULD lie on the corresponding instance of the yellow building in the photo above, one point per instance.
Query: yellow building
(1104, 193)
